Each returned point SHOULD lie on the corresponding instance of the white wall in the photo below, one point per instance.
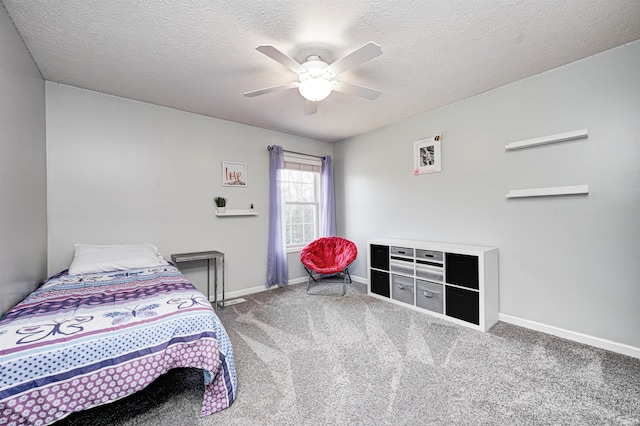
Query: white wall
(569, 262)
(23, 226)
(125, 171)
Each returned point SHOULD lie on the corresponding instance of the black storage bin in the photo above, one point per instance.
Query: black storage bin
(462, 304)
(380, 257)
(462, 270)
(380, 283)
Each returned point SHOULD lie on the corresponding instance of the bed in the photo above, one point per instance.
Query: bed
(85, 339)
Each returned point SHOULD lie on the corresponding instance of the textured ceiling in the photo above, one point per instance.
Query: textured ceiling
(199, 55)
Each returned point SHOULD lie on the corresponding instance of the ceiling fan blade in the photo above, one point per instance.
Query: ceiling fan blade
(310, 108)
(352, 89)
(355, 58)
(271, 89)
(278, 56)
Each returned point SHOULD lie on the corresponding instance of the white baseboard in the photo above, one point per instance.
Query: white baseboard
(359, 279)
(259, 289)
(597, 342)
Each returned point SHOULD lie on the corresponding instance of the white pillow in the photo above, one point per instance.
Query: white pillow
(92, 258)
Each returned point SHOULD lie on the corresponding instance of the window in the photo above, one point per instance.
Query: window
(301, 189)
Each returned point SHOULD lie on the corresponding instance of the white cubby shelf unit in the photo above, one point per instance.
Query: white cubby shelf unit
(458, 283)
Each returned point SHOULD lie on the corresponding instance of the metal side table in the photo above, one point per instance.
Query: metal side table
(206, 255)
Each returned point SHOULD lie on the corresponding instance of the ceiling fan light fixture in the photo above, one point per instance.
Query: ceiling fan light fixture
(315, 89)
(316, 77)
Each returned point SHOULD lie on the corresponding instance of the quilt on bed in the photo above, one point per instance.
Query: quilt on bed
(86, 340)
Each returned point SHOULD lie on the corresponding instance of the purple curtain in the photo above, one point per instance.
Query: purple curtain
(277, 269)
(327, 203)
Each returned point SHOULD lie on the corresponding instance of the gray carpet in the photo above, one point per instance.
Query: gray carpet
(315, 360)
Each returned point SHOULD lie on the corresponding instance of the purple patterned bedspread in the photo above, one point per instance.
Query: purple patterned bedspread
(86, 340)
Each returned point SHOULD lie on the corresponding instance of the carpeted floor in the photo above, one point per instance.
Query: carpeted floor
(355, 360)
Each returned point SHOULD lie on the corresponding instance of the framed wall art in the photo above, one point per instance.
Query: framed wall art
(427, 155)
(234, 174)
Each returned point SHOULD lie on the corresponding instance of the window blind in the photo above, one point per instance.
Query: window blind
(304, 163)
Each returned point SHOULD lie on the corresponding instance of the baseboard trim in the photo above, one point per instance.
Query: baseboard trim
(359, 279)
(597, 342)
(259, 289)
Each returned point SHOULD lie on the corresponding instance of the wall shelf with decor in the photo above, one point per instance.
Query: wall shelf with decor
(228, 213)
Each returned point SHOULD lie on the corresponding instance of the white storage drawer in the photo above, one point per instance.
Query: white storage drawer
(429, 255)
(429, 270)
(406, 269)
(429, 275)
(402, 251)
(429, 296)
(401, 265)
(402, 288)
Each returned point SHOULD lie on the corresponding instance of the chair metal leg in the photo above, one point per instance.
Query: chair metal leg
(309, 282)
(344, 273)
(344, 282)
(309, 272)
(309, 278)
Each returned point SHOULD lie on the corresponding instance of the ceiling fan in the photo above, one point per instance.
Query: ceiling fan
(316, 78)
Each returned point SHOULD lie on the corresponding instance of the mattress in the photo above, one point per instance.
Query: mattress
(80, 341)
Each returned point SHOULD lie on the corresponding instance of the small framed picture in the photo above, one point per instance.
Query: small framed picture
(427, 155)
(234, 174)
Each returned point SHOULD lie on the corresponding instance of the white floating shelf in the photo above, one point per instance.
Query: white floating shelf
(560, 137)
(237, 213)
(551, 191)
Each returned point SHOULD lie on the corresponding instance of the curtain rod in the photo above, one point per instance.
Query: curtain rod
(269, 147)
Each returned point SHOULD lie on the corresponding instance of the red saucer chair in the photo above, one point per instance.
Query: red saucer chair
(327, 257)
